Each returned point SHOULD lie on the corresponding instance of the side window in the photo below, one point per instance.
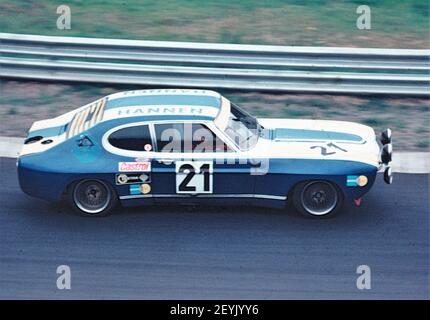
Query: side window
(204, 140)
(169, 137)
(187, 137)
(135, 138)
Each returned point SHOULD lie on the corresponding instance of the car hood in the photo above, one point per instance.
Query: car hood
(317, 130)
(321, 139)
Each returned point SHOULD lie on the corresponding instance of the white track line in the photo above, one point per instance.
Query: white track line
(411, 162)
(10, 147)
(404, 162)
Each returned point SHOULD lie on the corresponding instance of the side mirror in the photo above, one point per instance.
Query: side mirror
(84, 141)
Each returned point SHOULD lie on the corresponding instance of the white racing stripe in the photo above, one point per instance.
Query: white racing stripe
(240, 195)
(159, 110)
(153, 92)
(403, 162)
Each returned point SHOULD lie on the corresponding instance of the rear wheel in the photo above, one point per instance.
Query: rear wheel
(317, 198)
(93, 197)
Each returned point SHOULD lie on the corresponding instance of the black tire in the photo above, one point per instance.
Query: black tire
(317, 199)
(92, 198)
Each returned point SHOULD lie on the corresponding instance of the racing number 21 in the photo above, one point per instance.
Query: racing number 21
(194, 177)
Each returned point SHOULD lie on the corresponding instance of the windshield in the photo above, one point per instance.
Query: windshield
(242, 128)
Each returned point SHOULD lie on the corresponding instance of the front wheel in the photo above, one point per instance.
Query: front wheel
(93, 197)
(317, 198)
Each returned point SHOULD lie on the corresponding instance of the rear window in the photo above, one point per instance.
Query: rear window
(86, 118)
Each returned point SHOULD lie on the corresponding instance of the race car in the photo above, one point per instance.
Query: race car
(178, 146)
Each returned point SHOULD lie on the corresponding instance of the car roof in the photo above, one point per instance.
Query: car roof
(163, 104)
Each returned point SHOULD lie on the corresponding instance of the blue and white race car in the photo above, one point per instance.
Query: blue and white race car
(195, 146)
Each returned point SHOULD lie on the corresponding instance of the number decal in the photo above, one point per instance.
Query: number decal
(194, 177)
(189, 172)
(324, 151)
(206, 176)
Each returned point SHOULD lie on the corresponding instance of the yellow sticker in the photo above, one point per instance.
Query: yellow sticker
(145, 188)
(362, 181)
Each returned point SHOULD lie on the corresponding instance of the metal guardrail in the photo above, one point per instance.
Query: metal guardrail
(206, 65)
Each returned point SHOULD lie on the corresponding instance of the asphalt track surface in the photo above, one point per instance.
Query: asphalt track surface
(217, 253)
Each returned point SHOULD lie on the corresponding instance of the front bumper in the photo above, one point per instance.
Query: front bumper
(386, 154)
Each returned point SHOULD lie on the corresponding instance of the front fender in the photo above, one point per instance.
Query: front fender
(283, 174)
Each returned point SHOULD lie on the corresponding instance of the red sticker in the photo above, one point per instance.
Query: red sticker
(134, 166)
(147, 147)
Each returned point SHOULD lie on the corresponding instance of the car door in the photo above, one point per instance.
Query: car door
(193, 165)
(130, 150)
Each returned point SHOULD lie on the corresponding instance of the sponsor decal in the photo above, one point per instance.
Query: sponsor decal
(362, 181)
(351, 181)
(145, 188)
(132, 178)
(151, 92)
(144, 177)
(135, 189)
(141, 166)
(161, 110)
(354, 181)
(157, 110)
(122, 178)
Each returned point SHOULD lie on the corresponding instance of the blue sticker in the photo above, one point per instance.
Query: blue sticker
(135, 189)
(351, 181)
